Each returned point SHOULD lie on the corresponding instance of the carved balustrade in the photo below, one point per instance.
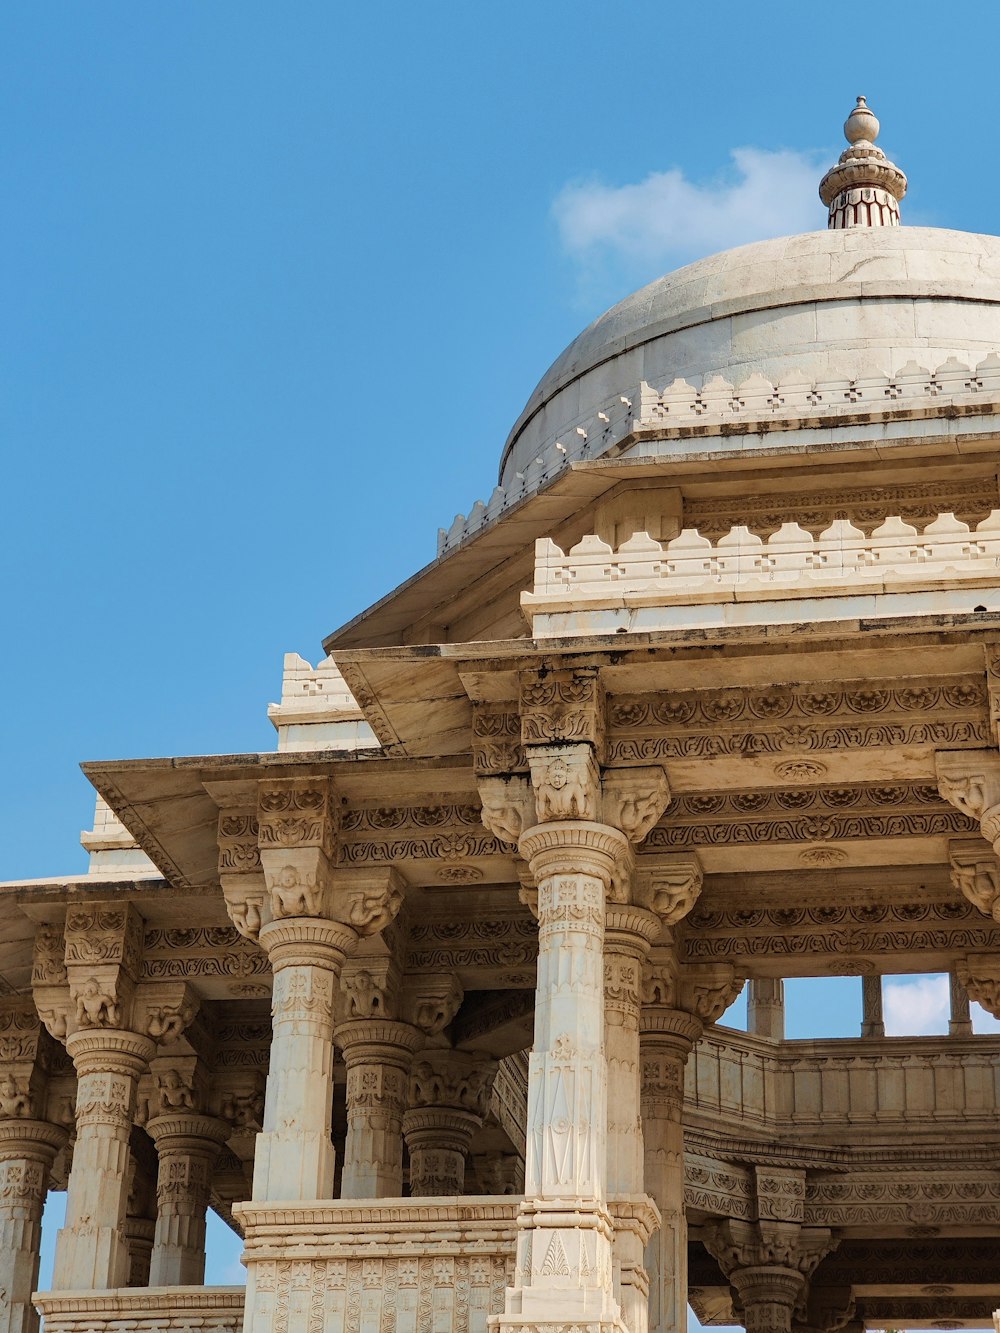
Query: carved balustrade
(153, 1310)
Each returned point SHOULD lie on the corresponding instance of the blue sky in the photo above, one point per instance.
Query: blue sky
(278, 278)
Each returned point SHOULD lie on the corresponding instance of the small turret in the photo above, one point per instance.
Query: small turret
(864, 188)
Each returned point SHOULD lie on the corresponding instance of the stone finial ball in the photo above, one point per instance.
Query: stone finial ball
(862, 123)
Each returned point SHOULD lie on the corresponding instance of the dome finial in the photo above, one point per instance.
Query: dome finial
(864, 188)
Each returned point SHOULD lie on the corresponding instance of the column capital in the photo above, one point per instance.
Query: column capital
(374, 1039)
(182, 1129)
(110, 1051)
(573, 846)
(25, 1137)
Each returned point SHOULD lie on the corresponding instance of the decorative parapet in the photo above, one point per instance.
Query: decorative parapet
(741, 567)
(114, 853)
(142, 1309)
(318, 710)
(754, 406)
(441, 1263)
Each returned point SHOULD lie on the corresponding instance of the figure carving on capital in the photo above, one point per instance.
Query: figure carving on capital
(96, 1005)
(294, 892)
(15, 1098)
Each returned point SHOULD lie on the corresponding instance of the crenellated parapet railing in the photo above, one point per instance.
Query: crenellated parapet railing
(792, 563)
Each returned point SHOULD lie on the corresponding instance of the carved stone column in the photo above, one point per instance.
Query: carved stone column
(378, 1050)
(92, 1252)
(140, 1211)
(188, 1146)
(648, 899)
(872, 1021)
(310, 918)
(575, 827)
(378, 1053)
(111, 1024)
(449, 1099)
(766, 1007)
(769, 1263)
(960, 1020)
(768, 1295)
(27, 1150)
(28, 1147)
(677, 1004)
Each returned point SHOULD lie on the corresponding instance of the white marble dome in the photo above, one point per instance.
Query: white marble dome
(820, 306)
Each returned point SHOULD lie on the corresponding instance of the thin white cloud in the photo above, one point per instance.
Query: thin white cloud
(668, 219)
(921, 1006)
(915, 1006)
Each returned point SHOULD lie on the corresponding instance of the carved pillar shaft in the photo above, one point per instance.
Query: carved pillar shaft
(960, 1022)
(294, 1157)
(378, 1054)
(564, 1250)
(766, 1007)
(629, 932)
(667, 1039)
(188, 1147)
(768, 1295)
(27, 1150)
(92, 1251)
(872, 1021)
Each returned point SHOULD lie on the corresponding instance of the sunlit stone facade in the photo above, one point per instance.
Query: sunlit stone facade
(425, 1002)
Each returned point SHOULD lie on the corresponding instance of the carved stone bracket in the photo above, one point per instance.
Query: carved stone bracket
(431, 1002)
(705, 991)
(669, 885)
(980, 975)
(369, 988)
(566, 781)
(633, 799)
(240, 871)
(970, 781)
(975, 873)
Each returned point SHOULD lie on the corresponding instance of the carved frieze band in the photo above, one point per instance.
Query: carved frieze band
(820, 718)
(847, 934)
